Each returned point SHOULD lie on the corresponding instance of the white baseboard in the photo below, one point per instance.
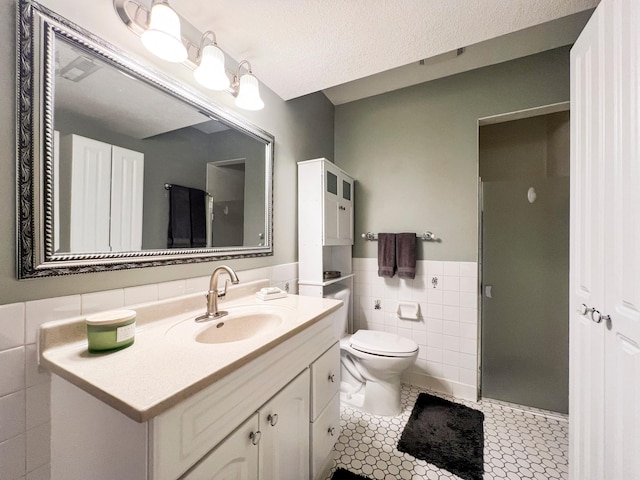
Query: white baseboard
(441, 385)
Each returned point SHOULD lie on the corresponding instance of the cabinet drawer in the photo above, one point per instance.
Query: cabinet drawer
(324, 434)
(325, 379)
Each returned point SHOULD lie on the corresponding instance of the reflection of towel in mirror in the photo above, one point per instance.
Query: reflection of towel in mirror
(179, 234)
(198, 218)
(386, 255)
(406, 255)
(187, 218)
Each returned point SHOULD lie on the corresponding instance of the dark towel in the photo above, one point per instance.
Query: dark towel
(198, 218)
(406, 255)
(179, 234)
(386, 254)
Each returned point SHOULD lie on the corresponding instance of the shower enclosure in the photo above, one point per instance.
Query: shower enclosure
(525, 265)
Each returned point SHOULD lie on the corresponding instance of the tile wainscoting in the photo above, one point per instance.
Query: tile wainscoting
(446, 330)
(25, 416)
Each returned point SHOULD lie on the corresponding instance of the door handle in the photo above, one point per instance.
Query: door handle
(487, 291)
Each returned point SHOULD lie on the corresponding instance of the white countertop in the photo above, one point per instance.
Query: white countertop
(160, 370)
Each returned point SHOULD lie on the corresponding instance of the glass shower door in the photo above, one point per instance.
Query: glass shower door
(525, 281)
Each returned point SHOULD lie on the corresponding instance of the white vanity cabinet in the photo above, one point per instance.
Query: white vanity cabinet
(236, 458)
(325, 409)
(271, 444)
(207, 435)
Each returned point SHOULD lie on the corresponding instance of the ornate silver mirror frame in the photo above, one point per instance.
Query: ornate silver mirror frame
(37, 30)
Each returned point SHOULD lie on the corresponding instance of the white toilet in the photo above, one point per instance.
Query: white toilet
(372, 363)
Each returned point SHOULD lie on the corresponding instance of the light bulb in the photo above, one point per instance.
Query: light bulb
(163, 38)
(211, 73)
(249, 93)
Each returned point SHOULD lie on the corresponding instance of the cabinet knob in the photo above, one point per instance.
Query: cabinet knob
(596, 316)
(255, 437)
(583, 309)
(332, 431)
(332, 378)
(272, 419)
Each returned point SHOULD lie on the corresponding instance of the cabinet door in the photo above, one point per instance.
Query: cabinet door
(586, 344)
(127, 182)
(331, 206)
(90, 195)
(622, 303)
(284, 423)
(236, 458)
(345, 211)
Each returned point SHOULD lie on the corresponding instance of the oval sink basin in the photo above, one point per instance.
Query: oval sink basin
(233, 328)
(243, 322)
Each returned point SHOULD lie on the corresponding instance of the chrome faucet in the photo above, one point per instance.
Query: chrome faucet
(213, 294)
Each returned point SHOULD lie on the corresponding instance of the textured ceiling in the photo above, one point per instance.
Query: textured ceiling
(298, 47)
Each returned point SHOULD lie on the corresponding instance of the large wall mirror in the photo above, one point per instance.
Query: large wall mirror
(122, 167)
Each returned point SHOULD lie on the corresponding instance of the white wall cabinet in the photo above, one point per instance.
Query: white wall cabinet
(337, 191)
(106, 195)
(325, 224)
(605, 246)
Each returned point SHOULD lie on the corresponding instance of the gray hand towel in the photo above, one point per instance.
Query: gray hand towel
(198, 218)
(386, 254)
(406, 255)
(179, 234)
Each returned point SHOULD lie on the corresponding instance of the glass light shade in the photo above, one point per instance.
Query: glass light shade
(163, 38)
(210, 73)
(249, 93)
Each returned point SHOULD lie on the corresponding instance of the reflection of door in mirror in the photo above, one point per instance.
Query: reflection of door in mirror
(226, 188)
(103, 200)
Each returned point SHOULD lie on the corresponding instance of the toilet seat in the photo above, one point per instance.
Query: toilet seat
(382, 343)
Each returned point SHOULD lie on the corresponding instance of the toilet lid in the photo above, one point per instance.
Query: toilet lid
(383, 343)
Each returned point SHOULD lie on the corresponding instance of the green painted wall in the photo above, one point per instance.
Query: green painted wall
(303, 129)
(414, 152)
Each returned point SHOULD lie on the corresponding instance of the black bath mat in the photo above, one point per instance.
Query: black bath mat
(342, 474)
(446, 434)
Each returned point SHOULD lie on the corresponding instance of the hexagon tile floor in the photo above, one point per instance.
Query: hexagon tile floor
(520, 443)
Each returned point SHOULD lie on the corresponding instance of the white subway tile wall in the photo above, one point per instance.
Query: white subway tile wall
(25, 388)
(447, 330)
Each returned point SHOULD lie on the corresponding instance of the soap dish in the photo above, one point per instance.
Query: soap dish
(270, 293)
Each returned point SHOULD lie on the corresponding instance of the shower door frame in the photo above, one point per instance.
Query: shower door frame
(500, 118)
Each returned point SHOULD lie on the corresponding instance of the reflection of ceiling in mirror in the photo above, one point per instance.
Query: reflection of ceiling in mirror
(88, 87)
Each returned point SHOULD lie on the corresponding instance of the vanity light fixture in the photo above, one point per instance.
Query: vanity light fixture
(162, 37)
(210, 73)
(247, 89)
(161, 33)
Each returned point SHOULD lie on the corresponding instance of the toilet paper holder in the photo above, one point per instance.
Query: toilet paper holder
(409, 310)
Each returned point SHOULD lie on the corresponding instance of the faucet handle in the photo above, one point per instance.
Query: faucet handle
(221, 293)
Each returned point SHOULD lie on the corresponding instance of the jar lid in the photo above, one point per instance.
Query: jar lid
(111, 317)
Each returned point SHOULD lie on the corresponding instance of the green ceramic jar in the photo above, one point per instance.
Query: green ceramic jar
(109, 331)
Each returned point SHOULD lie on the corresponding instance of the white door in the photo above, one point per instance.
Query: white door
(622, 302)
(236, 458)
(284, 423)
(127, 182)
(90, 195)
(605, 246)
(586, 347)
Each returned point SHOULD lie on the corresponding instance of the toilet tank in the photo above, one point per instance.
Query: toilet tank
(340, 292)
